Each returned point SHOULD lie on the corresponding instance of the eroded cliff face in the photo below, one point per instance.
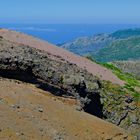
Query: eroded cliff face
(120, 107)
(62, 78)
(47, 71)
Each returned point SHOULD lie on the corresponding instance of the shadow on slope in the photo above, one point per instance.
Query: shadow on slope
(93, 106)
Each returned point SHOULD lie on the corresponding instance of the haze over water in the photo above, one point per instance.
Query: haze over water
(60, 33)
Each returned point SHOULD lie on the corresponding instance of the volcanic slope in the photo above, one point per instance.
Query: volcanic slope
(81, 62)
(27, 112)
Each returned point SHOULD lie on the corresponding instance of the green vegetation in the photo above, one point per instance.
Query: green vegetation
(121, 49)
(131, 86)
(132, 67)
(113, 88)
(131, 82)
(127, 77)
(90, 58)
(120, 45)
(121, 34)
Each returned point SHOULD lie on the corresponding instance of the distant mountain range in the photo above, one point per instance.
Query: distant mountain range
(88, 45)
(120, 49)
(120, 45)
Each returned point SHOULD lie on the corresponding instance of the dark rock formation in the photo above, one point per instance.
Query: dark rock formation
(120, 109)
(62, 78)
(48, 72)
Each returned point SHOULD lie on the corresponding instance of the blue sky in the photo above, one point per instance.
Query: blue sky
(70, 11)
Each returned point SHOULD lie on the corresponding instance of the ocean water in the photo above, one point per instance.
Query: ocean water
(61, 33)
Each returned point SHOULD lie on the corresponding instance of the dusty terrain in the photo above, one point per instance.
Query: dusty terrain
(81, 62)
(63, 78)
(29, 113)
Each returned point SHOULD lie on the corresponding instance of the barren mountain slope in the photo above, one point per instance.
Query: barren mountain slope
(62, 78)
(91, 67)
(29, 113)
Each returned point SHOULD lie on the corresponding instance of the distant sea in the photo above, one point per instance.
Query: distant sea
(60, 33)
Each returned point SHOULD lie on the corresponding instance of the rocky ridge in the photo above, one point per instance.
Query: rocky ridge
(46, 71)
(62, 78)
(81, 62)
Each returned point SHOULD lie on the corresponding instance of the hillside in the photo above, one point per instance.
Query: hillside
(132, 67)
(95, 45)
(64, 74)
(27, 112)
(81, 62)
(122, 34)
(88, 45)
(123, 49)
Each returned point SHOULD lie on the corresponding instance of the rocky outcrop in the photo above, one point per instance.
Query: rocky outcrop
(120, 108)
(27, 112)
(48, 72)
(81, 62)
(62, 78)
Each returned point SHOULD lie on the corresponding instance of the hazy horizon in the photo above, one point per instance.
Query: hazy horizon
(59, 21)
(70, 12)
(60, 33)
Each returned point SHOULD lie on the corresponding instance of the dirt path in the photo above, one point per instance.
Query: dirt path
(28, 113)
(83, 63)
